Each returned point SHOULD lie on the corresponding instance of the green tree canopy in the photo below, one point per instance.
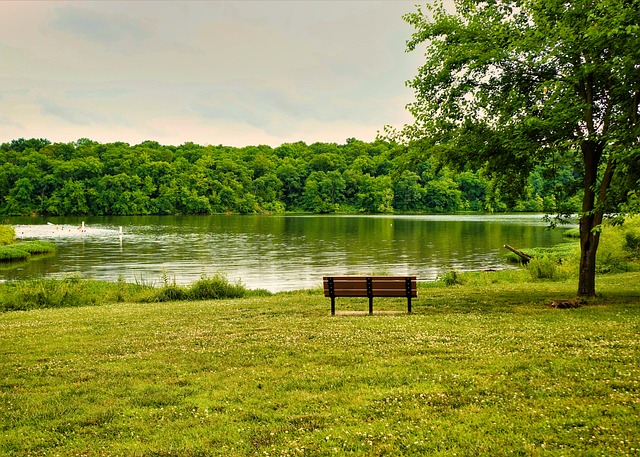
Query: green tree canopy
(86, 177)
(509, 86)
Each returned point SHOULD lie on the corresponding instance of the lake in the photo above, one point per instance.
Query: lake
(277, 253)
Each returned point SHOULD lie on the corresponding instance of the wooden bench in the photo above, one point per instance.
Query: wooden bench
(369, 286)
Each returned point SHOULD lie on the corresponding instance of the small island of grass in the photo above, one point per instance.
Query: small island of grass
(19, 251)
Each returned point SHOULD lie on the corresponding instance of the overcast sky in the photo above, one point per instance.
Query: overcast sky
(223, 72)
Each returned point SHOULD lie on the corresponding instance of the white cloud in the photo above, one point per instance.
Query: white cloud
(238, 73)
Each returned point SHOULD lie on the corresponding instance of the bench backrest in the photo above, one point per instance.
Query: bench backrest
(370, 286)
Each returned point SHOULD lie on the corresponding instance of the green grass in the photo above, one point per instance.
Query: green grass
(36, 247)
(12, 251)
(480, 368)
(22, 251)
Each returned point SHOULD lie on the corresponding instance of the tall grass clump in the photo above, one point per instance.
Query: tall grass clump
(450, 278)
(72, 291)
(76, 291)
(216, 287)
(169, 291)
(7, 235)
(542, 267)
(619, 249)
(42, 293)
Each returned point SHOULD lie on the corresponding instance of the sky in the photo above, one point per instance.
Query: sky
(236, 73)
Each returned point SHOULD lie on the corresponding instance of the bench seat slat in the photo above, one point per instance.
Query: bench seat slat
(370, 286)
(377, 292)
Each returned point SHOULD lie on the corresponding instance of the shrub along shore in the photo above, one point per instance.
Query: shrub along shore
(483, 367)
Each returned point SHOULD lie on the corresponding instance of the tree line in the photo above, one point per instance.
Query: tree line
(85, 177)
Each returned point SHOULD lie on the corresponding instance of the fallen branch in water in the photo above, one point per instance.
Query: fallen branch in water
(524, 257)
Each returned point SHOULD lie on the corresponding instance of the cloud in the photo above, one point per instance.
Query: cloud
(72, 114)
(98, 27)
(6, 121)
(264, 71)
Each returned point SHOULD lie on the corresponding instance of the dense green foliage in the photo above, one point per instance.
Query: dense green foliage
(479, 369)
(513, 86)
(619, 252)
(85, 177)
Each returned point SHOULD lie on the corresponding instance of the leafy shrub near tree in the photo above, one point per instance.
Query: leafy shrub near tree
(619, 252)
(619, 249)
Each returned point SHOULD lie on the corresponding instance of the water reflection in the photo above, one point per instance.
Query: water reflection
(283, 252)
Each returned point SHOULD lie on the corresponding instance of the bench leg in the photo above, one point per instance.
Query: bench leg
(409, 305)
(370, 305)
(333, 306)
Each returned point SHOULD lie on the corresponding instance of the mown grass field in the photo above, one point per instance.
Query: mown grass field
(485, 368)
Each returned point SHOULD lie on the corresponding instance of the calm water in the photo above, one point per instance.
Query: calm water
(275, 252)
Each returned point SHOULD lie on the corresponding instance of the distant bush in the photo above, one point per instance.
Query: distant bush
(632, 244)
(7, 235)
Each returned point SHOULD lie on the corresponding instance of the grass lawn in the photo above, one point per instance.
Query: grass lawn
(484, 368)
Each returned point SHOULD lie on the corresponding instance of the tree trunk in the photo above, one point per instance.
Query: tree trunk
(592, 214)
(588, 248)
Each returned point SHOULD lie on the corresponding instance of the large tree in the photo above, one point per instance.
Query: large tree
(510, 85)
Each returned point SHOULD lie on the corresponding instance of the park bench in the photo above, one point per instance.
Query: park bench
(369, 286)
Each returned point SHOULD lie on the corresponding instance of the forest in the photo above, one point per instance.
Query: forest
(38, 177)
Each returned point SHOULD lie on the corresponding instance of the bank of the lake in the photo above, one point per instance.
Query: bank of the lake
(278, 252)
(482, 368)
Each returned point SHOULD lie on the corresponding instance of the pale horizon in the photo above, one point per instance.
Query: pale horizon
(231, 73)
